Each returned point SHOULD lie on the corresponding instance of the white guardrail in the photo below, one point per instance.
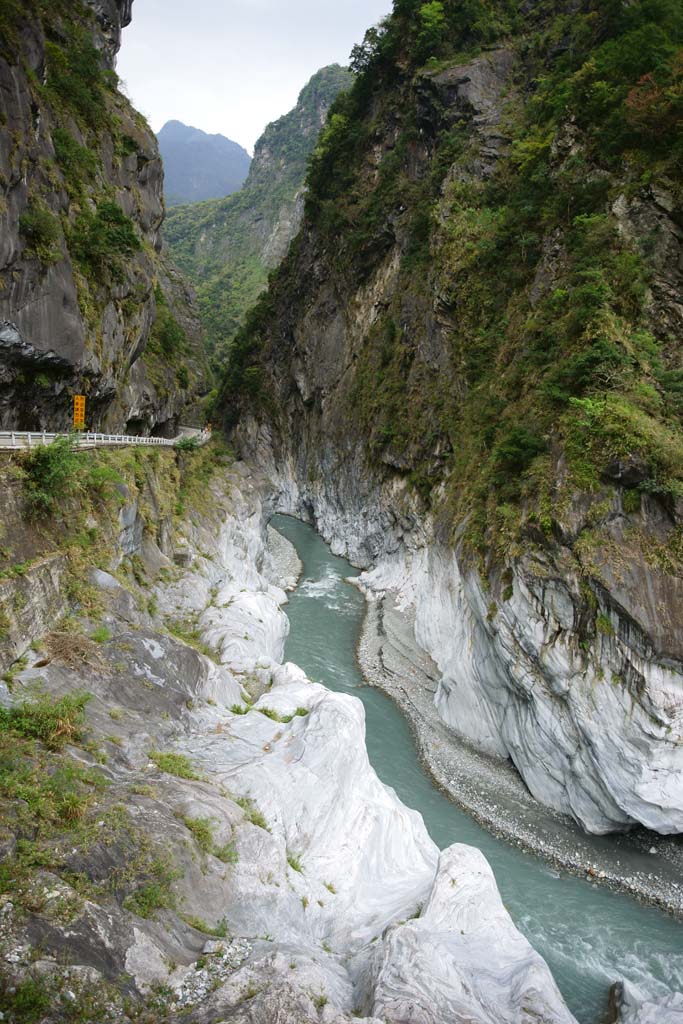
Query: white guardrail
(18, 439)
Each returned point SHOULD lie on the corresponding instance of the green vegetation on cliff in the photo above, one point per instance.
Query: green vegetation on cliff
(227, 246)
(78, 93)
(522, 163)
(81, 207)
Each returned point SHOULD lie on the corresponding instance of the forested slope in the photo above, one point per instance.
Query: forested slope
(475, 344)
(228, 246)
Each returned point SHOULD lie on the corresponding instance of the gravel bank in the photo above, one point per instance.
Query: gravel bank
(643, 864)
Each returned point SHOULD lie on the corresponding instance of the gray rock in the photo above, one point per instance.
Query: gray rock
(47, 351)
(629, 1006)
(628, 472)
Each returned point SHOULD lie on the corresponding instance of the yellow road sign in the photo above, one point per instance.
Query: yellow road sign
(79, 412)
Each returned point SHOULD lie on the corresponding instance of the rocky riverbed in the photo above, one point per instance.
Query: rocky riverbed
(643, 864)
(239, 858)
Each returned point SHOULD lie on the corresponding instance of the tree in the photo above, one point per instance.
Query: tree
(364, 54)
(432, 19)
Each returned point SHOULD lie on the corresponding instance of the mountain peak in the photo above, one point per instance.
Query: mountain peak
(198, 165)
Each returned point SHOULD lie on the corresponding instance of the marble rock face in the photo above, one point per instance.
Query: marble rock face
(345, 882)
(631, 1007)
(463, 958)
(595, 731)
(333, 899)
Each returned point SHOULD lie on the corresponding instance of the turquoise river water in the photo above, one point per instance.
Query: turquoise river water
(589, 936)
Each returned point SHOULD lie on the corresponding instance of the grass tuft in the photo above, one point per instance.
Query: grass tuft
(54, 722)
(294, 861)
(175, 764)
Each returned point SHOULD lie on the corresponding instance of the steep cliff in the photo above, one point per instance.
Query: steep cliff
(81, 276)
(468, 372)
(227, 247)
(190, 830)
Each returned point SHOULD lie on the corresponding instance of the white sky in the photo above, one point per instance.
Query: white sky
(232, 66)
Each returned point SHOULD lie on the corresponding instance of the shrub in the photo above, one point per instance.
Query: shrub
(632, 501)
(76, 79)
(174, 764)
(604, 625)
(158, 872)
(202, 830)
(227, 853)
(167, 337)
(275, 716)
(253, 814)
(102, 480)
(49, 474)
(514, 453)
(52, 793)
(187, 444)
(99, 240)
(148, 898)
(294, 861)
(55, 722)
(27, 1002)
(432, 19)
(78, 164)
(167, 334)
(189, 634)
(101, 635)
(5, 625)
(218, 931)
(270, 713)
(41, 231)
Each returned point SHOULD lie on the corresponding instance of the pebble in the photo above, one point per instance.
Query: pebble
(225, 957)
(214, 946)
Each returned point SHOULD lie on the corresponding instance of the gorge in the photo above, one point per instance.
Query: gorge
(585, 941)
(464, 378)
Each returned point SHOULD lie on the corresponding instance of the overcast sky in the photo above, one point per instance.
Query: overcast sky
(232, 66)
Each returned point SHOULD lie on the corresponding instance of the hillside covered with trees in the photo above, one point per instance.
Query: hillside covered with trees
(228, 246)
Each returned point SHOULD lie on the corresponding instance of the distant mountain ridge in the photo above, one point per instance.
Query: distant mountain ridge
(227, 246)
(200, 166)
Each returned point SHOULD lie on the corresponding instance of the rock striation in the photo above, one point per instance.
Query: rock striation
(445, 948)
(321, 889)
(597, 738)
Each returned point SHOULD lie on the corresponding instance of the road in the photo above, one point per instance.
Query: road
(11, 440)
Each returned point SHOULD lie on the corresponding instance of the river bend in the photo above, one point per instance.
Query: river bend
(589, 936)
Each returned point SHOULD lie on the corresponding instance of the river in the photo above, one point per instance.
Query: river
(589, 936)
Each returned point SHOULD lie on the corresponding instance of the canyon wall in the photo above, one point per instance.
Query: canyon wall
(85, 295)
(465, 373)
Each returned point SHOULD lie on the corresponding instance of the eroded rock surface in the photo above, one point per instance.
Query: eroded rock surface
(593, 725)
(629, 1007)
(434, 968)
(269, 830)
